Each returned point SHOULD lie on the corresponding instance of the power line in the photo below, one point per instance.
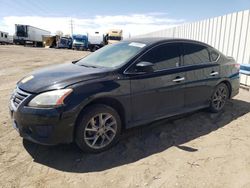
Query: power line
(71, 26)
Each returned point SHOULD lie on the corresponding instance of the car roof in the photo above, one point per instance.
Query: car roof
(154, 40)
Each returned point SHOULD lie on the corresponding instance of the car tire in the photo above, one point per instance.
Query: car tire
(98, 129)
(219, 98)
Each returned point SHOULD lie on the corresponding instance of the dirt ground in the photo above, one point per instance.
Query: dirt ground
(196, 150)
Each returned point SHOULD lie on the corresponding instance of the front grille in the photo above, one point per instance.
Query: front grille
(19, 96)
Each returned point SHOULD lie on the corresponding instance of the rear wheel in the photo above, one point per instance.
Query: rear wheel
(99, 128)
(94, 48)
(219, 97)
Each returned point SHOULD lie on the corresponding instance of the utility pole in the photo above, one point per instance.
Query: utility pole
(71, 26)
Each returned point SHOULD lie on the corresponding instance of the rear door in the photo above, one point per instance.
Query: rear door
(160, 92)
(202, 74)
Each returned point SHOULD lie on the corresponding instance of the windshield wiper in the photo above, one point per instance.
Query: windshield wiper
(74, 62)
(92, 66)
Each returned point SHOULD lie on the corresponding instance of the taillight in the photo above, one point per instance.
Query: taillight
(237, 66)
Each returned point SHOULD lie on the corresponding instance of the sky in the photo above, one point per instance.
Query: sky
(135, 17)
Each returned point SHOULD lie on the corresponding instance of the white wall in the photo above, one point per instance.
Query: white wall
(229, 33)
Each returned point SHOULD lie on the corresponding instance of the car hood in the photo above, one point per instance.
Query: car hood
(58, 77)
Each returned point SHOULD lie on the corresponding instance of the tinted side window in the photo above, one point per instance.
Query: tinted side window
(195, 54)
(213, 55)
(165, 56)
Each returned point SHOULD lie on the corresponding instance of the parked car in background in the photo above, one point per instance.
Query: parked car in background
(122, 85)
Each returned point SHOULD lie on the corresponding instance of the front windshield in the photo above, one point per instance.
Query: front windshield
(113, 55)
(78, 40)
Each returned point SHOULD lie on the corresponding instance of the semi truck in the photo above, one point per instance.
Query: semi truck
(64, 42)
(96, 40)
(80, 42)
(114, 36)
(5, 38)
(29, 35)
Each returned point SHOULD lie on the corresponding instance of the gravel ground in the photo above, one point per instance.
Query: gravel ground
(196, 150)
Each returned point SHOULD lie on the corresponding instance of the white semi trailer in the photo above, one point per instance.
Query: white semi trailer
(4, 38)
(96, 40)
(29, 35)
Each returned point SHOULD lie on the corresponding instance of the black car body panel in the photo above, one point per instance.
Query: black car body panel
(138, 98)
(60, 76)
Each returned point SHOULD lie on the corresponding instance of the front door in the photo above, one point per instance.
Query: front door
(159, 92)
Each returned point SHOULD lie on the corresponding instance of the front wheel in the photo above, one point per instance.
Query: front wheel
(98, 129)
(219, 98)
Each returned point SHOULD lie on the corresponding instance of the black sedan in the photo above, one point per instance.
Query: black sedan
(123, 85)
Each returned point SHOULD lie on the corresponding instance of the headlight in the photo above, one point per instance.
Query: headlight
(50, 98)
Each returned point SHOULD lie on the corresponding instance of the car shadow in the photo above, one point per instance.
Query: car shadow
(138, 143)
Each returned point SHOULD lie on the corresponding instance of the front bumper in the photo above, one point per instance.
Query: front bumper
(79, 47)
(43, 126)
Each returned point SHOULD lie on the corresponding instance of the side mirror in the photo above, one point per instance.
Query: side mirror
(144, 66)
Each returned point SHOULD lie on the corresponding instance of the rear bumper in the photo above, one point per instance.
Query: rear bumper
(235, 84)
(43, 126)
(234, 93)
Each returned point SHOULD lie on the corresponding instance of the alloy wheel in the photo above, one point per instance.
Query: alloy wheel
(100, 130)
(220, 97)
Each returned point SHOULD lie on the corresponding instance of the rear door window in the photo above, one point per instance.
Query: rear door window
(214, 55)
(195, 54)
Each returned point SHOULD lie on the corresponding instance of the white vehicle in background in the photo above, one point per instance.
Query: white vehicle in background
(114, 36)
(96, 40)
(5, 38)
(29, 35)
(10, 39)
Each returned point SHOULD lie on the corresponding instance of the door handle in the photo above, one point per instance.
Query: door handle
(179, 79)
(214, 73)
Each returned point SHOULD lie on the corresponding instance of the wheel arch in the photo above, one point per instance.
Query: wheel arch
(109, 101)
(229, 86)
